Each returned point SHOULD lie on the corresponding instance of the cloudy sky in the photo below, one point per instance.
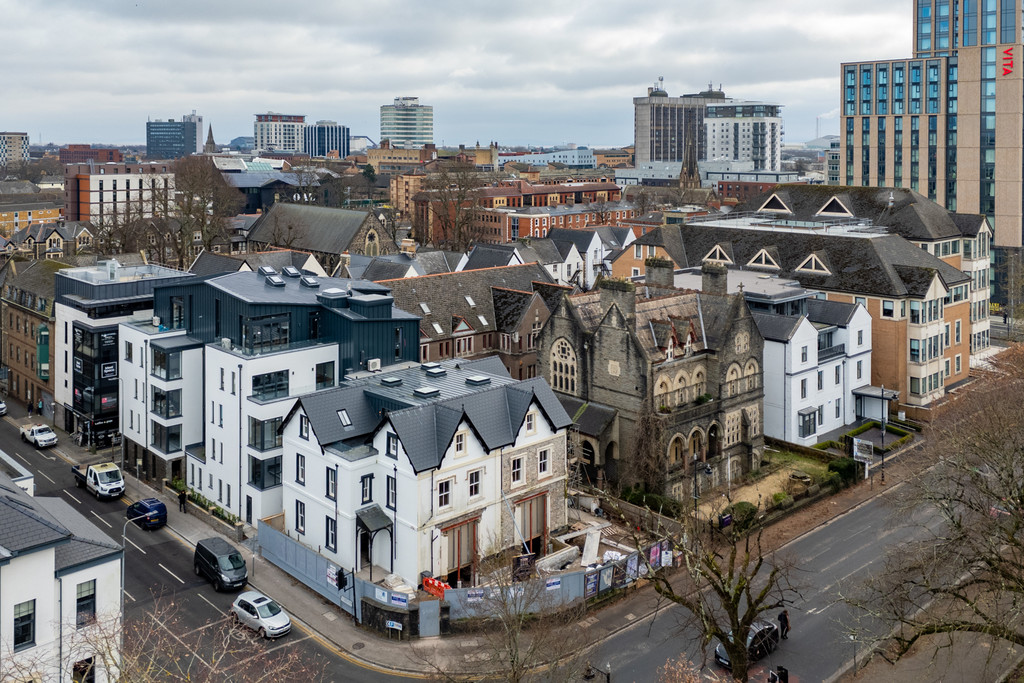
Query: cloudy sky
(523, 72)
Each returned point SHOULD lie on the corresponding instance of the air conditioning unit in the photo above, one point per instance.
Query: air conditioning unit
(156, 321)
(373, 364)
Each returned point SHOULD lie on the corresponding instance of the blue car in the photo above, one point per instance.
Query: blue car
(149, 513)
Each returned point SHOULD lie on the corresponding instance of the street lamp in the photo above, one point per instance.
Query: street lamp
(885, 419)
(696, 491)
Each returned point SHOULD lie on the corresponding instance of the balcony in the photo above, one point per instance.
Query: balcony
(830, 352)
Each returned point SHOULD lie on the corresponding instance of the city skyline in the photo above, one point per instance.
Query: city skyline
(522, 74)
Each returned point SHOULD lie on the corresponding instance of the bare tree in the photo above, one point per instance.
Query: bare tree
(454, 197)
(965, 572)
(203, 202)
(157, 646)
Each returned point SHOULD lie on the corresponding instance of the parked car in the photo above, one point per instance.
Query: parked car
(762, 639)
(220, 563)
(149, 513)
(261, 614)
(3, 408)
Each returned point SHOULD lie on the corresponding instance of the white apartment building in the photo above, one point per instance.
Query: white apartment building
(278, 132)
(117, 193)
(426, 470)
(744, 131)
(407, 123)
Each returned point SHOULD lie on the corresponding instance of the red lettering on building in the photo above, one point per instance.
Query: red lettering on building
(1008, 61)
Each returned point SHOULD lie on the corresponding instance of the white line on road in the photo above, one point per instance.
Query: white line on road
(130, 597)
(101, 519)
(21, 458)
(207, 601)
(168, 571)
(47, 478)
(136, 547)
(71, 497)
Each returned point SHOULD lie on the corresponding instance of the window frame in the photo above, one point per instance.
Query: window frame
(300, 517)
(516, 470)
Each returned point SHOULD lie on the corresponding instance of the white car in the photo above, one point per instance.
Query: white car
(3, 408)
(261, 614)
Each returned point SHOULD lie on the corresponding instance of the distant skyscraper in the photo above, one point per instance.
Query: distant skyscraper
(13, 148)
(172, 139)
(947, 121)
(275, 132)
(716, 126)
(325, 138)
(407, 123)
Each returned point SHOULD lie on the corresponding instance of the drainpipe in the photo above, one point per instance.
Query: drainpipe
(394, 523)
(60, 628)
(240, 385)
(145, 402)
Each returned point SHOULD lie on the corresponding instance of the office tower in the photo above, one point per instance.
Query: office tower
(13, 148)
(947, 121)
(407, 123)
(326, 138)
(275, 132)
(718, 127)
(172, 139)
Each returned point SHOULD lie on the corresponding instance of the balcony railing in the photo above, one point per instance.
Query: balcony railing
(830, 352)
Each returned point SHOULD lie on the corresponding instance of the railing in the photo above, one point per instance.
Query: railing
(831, 352)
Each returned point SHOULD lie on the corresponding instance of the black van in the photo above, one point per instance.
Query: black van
(220, 563)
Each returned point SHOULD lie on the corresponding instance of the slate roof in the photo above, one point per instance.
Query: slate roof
(87, 542)
(491, 256)
(37, 276)
(838, 313)
(776, 327)
(552, 293)
(912, 215)
(250, 179)
(18, 187)
(314, 228)
(581, 237)
(870, 263)
(543, 251)
(445, 295)
(426, 425)
(209, 263)
(382, 269)
(591, 418)
(509, 308)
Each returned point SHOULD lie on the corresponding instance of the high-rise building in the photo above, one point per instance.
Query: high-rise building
(717, 127)
(111, 194)
(13, 148)
(81, 154)
(275, 132)
(407, 123)
(326, 138)
(947, 121)
(172, 139)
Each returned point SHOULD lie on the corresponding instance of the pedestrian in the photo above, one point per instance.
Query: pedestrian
(182, 498)
(1005, 317)
(784, 623)
(30, 408)
(40, 406)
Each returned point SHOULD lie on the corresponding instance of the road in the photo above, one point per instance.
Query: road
(832, 558)
(159, 574)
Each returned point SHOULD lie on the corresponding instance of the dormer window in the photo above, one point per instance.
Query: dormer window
(813, 264)
(718, 254)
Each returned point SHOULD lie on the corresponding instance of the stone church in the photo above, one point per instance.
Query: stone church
(680, 369)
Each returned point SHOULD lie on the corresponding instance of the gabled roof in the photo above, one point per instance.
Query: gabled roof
(485, 255)
(309, 228)
(591, 418)
(838, 313)
(87, 543)
(542, 250)
(581, 237)
(775, 327)
(510, 306)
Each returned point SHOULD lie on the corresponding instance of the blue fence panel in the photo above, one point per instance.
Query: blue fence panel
(306, 565)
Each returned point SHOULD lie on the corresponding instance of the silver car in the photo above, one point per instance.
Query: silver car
(261, 614)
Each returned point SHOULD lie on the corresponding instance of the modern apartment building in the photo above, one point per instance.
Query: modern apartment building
(275, 132)
(13, 148)
(710, 124)
(407, 123)
(82, 154)
(326, 139)
(947, 121)
(172, 139)
(106, 194)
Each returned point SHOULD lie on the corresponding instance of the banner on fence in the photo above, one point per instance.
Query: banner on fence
(590, 584)
(553, 584)
(474, 595)
(400, 600)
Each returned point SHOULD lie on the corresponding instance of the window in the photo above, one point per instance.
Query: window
(888, 309)
(263, 474)
(343, 415)
(267, 386)
(331, 534)
(24, 625)
(803, 388)
(300, 516)
(128, 351)
(332, 483)
(392, 445)
(839, 410)
(392, 492)
(860, 337)
(166, 365)
(838, 375)
(166, 404)
(263, 434)
(222, 379)
(85, 603)
(325, 375)
(300, 469)
(860, 369)
(807, 423)
(821, 380)
(531, 423)
(303, 427)
(563, 367)
(517, 470)
(638, 251)
(444, 493)
(366, 487)
(474, 483)
(543, 459)
(956, 339)
(166, 439)
(803, 354)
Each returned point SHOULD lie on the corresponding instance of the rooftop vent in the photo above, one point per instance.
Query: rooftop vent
(478, 380)
(267, 270)
(391, 381)
(426, 392)
(430, 366)
(291, 271)
(309, 281)
(436, 372)
(275, 281)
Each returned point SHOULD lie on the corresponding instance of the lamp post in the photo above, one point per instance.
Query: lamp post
(124, 543)
(885, 418)
(696, 490)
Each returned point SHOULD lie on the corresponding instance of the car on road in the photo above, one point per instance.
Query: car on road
(261, 614)
(148, 513)
(3, 408)
(220, 563)
(762, 639)
(39, 435)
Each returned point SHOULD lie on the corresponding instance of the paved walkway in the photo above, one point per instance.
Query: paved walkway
(336, 630)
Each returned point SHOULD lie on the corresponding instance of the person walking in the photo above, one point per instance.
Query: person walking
(30, 408)
(784, 623)
(40, 407)
(182, 498)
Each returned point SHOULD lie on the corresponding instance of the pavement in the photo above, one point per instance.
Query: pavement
(336, 630)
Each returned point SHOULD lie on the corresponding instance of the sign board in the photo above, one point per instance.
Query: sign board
(590, 585)
(724, 521)
(654, 556)
(380, 595)
(397, 625)
(332, 574)
(553, 584)
(863, 450)
(108, 370)
(474, 595)
(666, 558)
(399, 599)
(435, 587)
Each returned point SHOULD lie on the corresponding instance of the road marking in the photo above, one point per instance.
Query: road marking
(100, 518)
(203, 597)
(338, 652)
(169, 571)
(136, 547)
(71, 497)
(130, 597)
(19, 457)
(47, 478)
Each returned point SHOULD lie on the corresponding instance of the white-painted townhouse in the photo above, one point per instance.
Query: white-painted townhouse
(425, 470)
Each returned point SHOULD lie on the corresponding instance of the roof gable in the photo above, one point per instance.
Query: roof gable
(775, 204)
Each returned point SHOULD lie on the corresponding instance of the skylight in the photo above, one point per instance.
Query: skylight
(425, 308)
(437, 328)
(346, 421)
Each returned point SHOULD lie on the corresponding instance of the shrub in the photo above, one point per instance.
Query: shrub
(835, 482)
(178, 484)
(846, 468)
(652, 501)
(778, 497)
(703, 398)
(743, 514)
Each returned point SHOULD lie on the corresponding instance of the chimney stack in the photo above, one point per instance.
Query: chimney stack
(714, 278)
(659, 272)
(622, 294)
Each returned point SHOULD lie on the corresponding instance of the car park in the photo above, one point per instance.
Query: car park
(261, 614)
(148, 513)
(762, 639)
